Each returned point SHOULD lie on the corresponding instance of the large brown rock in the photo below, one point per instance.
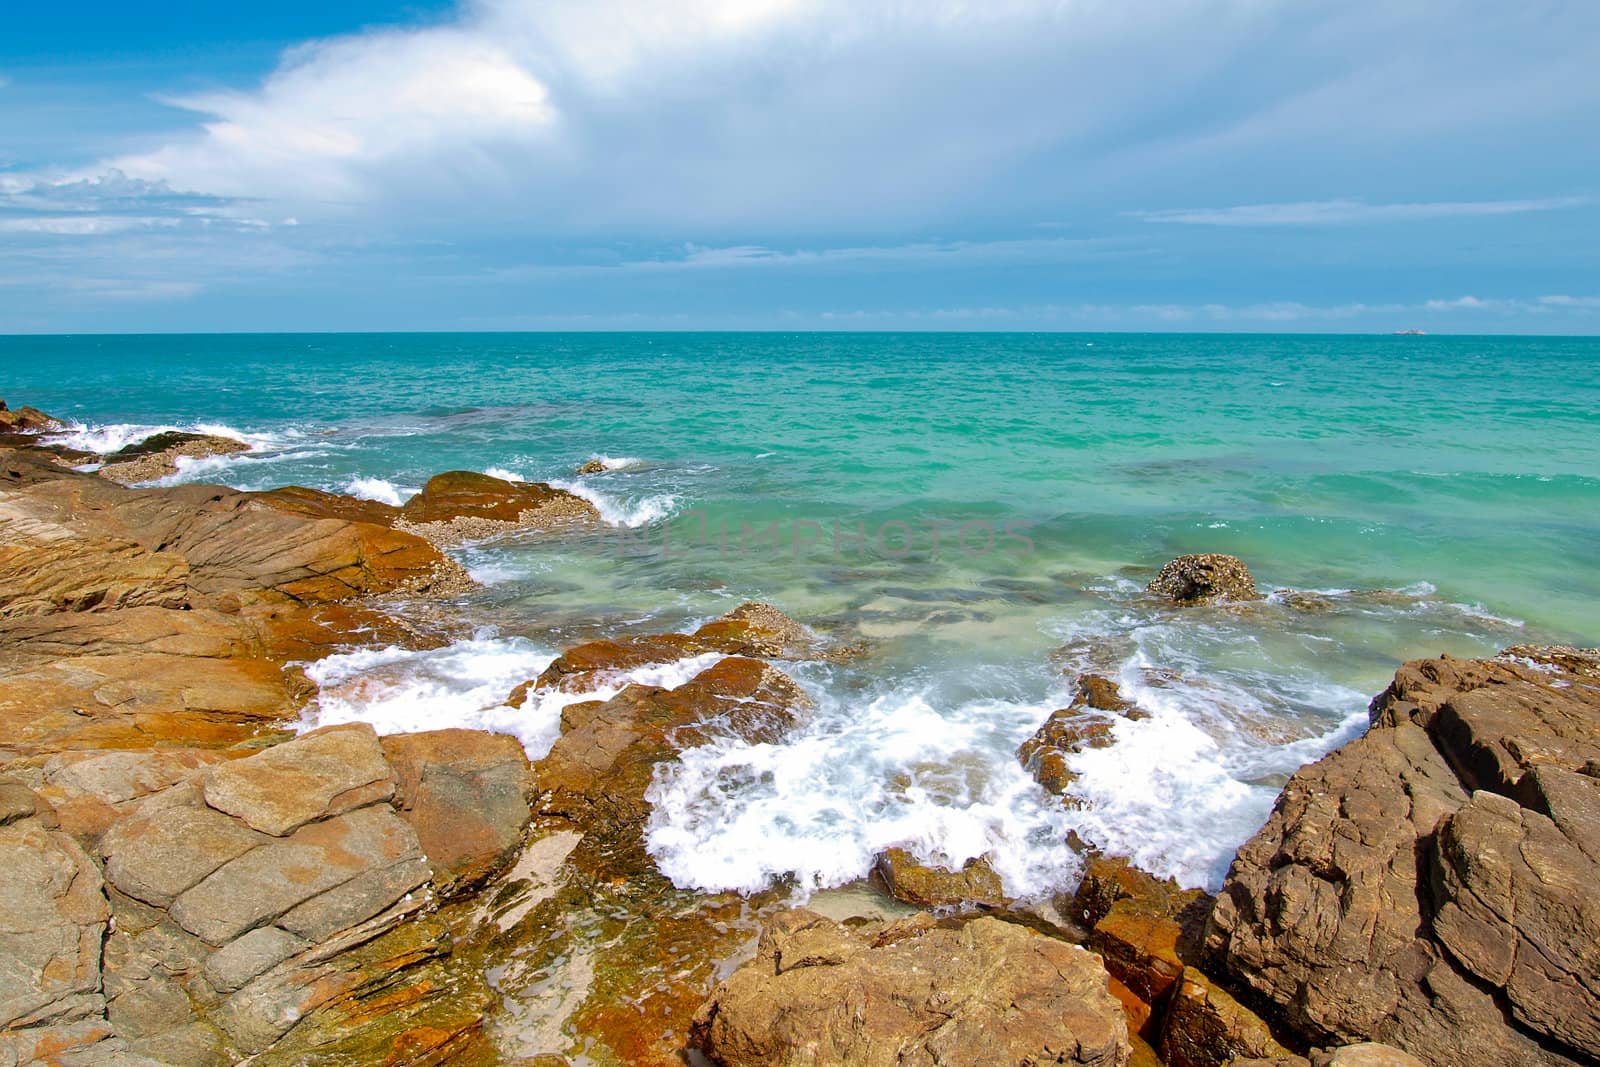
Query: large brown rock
(323, 773)
(157, 456)
(48, 566)
(1206, 1027)
(758, 629)
(464, 504)
(27, 420)
(1386, 900)
(466, 793)
(1205, 578)
(317, 504)
(913, 993)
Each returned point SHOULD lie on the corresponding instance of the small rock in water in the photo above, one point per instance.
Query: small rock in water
(593, 466)
(931, 887)
(1204, 579)
(157, 456)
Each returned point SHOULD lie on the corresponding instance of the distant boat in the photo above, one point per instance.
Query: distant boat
(1411, 333)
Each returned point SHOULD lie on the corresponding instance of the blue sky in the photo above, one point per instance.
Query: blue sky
(796, 164)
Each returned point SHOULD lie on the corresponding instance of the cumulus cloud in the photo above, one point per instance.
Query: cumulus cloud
(1352, 212)
(727, 114)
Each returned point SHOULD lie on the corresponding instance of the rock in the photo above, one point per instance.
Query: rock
(48, 566)
(1065, 733)
(323, 878)
(137, 678)
(912, 994)
(464, 504)
(1390, 893)
(1205, 1027)
(16, 802)
(932, 887)
(316, 504)
(466, 793)
(89, 791)
(597, 772)
(1518, 907)
(1365, 1054)
(158, 853)
(259, 950)
(319, 774)
(592, 466)
(27, 420)
(53, 915)
(758, 629)
(594, 663)
(234, 544)
(1101, 693)
(157, 456)
(1204, 579)
(1108, 879)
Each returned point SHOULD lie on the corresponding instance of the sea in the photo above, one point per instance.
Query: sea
(974, 515)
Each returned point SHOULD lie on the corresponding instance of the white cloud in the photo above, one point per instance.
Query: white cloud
(1353, 212)
(596, 115)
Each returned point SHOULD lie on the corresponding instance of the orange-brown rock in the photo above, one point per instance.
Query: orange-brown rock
(466, 793)
(457, 495)
(934, 887)
(27, 420)
(1206, 1027)
(316, 504)
(986, 992)
(1066, 732)
(48, 565)
(588, 665)
(758, 629)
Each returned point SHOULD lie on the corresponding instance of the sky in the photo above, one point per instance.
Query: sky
(1234, 165)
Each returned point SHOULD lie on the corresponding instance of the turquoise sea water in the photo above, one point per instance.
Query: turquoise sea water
(1443, 493)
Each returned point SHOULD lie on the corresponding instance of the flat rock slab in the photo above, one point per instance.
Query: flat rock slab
(53, 915)
(323, 773)
(912, 994)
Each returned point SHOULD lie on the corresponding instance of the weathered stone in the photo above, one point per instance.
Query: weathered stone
(1376, 887)
(1365, 1054)
(758, 629)
(17, 801)
(156, 854)
(593, 663)
(323, 773)
(89, 791)
(235, 963)
(53, 915)
(913, 994)
(1205, 1027)
(316, 504)
(592, 466)
(463, 504)
(1518, 907)
(27, 420)
(157, 456)
(48, 566)
(1204, 579)
(1065, 733)
(1108, 879)
(467, 795)
(1140, 946)
(932, 887)
(268, 881)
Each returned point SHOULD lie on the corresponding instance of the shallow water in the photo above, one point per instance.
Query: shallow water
(1441, 492)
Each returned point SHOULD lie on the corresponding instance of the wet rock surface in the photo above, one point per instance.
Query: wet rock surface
(912, 992)
(1205, 578)
(459, 506)
(926, 886)
(157, 456)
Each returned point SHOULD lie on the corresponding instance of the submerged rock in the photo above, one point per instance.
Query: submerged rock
(1391, 895)
(912, 993)
(157, 456)
(1204, 579)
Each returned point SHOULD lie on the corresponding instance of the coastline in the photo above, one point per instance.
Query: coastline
(154, 643)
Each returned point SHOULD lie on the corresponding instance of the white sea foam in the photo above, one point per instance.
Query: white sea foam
(463, 685)
(503, 474)
(111, 437)
(617, 463)
(379, 489)
(630, 513)
(941, 782)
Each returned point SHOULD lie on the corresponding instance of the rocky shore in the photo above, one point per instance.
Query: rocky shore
(188, 878)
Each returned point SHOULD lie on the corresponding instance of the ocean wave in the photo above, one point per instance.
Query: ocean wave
(617, 463)
(465, 685)
(106, 438)
(818, 807)
(618, 512)
(379, 489)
